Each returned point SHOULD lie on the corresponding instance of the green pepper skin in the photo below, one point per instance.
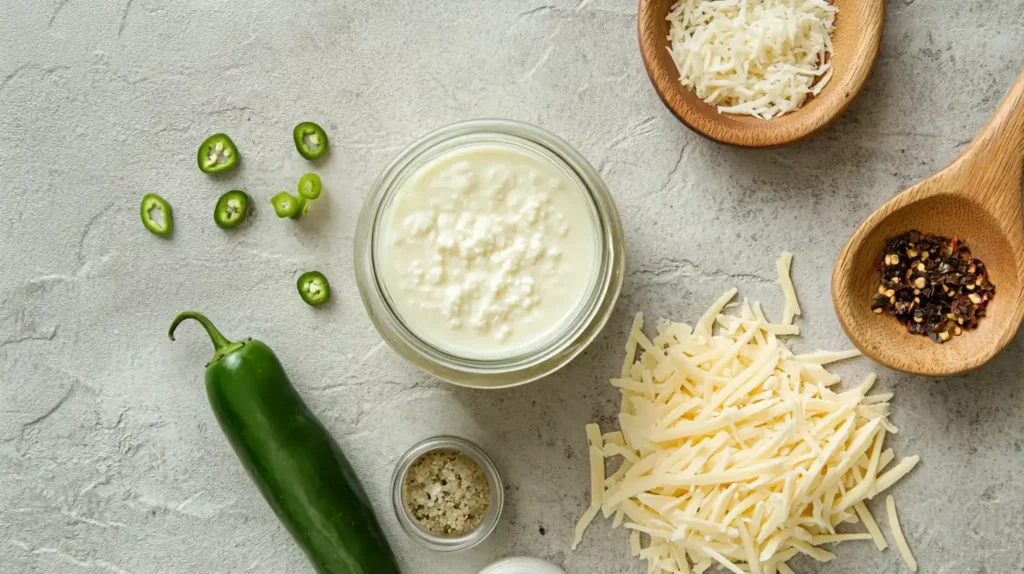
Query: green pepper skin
(314, 288)
(232, 209)
(314, 131)
(310, 186)
(285, 205)
(292, 458)
(208, 157)
(152, 201)
(301, 208)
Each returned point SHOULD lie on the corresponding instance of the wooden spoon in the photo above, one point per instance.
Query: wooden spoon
(977, 199)
(855, 41)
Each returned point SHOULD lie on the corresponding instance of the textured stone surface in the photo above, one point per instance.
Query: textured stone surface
(110, 459)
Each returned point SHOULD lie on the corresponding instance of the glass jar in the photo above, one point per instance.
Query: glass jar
(529, 363)
(424, 536)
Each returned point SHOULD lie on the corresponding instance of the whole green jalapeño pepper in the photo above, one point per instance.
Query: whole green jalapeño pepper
(153, 204)
(291, 457)
(310, 140)
(217, 154)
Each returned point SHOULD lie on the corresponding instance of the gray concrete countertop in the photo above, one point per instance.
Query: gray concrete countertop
(110, 458)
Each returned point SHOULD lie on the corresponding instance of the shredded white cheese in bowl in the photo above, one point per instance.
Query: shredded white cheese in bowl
(761, 58)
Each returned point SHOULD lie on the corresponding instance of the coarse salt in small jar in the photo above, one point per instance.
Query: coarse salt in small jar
(489, 253)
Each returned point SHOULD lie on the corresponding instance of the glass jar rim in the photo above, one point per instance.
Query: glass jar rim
(571, 336)
(422, 535)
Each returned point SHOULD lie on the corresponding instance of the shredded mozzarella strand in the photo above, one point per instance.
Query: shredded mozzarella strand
(897, 533)
(736, 453)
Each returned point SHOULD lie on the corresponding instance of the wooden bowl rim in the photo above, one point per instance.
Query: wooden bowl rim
(674, 95)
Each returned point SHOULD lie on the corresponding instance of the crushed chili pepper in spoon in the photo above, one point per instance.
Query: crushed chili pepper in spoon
(933, 285)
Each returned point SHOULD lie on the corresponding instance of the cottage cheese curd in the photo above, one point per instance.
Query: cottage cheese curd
(488, 249)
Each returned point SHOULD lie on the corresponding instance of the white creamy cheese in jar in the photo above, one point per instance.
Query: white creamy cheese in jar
(488, 249)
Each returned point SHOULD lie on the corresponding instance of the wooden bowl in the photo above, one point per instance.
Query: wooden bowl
(857, 35)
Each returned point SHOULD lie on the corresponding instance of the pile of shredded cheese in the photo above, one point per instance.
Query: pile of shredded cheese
(755, 57)
(737, 453)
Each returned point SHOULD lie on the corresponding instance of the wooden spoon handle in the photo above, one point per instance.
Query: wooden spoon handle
(1002, 140)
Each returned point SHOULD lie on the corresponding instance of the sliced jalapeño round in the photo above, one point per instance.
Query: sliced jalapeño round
(217, 154)
(156, 215)
(232, 209)
(285, 204)
(310, 186)
(310, 140)
(314, 288)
